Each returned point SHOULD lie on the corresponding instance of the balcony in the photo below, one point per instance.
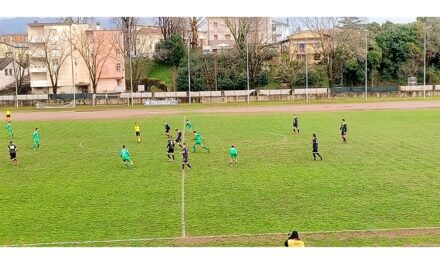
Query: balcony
(37, 69)
(42, 83)
(42, 54)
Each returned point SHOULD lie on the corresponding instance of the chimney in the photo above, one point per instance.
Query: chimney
(98, 26)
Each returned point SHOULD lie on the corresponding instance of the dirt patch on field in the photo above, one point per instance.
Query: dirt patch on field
(278, 239)
(291, 108)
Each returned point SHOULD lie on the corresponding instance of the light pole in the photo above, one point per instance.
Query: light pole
(307, 73)
(16, 83)
(424, 60)
(247, 69)
(366, 64)
(71, 62)
(189, 69)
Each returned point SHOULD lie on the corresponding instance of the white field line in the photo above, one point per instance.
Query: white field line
(218, 236)
(81, 144)
(182, 190)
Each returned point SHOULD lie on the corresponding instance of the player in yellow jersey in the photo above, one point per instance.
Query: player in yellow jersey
(8, 116)
(137, 129)
(293, 240)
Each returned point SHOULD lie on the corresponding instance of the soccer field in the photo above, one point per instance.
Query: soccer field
(76, 189)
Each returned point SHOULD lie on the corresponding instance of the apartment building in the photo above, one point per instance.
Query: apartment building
(307, 44)
(50, 52)
(220, 38)
(6, 72)
(280, 30)
(146, 39)
(13, 38)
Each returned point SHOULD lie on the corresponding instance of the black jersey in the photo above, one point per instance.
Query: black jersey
(295, 122)
(179, 137)
(185, 153)
(167, 127)
(315, 142)
(343, 127)
(170, 146)
(12, 148)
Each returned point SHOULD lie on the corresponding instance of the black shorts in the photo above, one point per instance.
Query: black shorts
(178, 140)
(295, 125)
(184, 160)
(13, 156)
(343, 133)
(8, 116)
(167, 131)
(138, 134)
(170, 151)
(315, 149)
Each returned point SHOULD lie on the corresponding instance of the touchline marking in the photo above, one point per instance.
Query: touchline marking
(81, 144)
(218, 236)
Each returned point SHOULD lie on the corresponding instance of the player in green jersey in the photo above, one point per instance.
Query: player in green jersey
(125, 156)
(198, 141)
(233, 154)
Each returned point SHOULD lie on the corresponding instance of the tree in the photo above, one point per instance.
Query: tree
(129, 26)
(52, 52)
(170, 51)
(21, 63)
(251, 34)
(194, 24)
(95, 47)
(170, 26)
(77, 20)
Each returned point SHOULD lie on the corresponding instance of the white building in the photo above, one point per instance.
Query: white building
(280, 30)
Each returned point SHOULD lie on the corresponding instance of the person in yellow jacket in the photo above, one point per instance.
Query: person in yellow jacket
(137, 129)
(8, 116)
(293, 240)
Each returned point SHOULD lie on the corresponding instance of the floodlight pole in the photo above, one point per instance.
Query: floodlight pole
(71, 62)
(247, 69)
(424, 61)
(307, 73)
(189, 69)
(366, 64)
(16, 83)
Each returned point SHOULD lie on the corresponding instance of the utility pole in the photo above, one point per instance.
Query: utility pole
(307, 73)
(424, 61)
(366, 64)
(247, 69)
(189, 69)
(71, 62)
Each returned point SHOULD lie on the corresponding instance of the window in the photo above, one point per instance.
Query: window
(301, 57)
(6, 72)
(215, 24)
(274, 28)
(10, 72)
(215, 37)
(118, 67)
(214, 51)
(9, 55)
(317, 56)
(301, 48)
(228, 36)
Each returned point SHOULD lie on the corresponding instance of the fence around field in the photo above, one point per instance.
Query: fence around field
(225, 96)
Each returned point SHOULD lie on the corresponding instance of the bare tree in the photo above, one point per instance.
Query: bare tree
(195, 23)
(251, 35)
(130, 29)
(337, 39)
(77, 20)
(171, 25)
(51, 52)
(95, 47)
(21, 63)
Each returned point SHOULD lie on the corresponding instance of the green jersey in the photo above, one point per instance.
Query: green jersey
(124, 154)
(197, 138)
(188, 125)
(9, 127)
(36, 135)
(233, 152)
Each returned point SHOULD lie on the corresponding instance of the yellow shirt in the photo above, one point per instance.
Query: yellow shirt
(295, 243)
(137, 128)
(8, 112)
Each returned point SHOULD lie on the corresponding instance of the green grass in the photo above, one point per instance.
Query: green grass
(161, 72)
(385, 177)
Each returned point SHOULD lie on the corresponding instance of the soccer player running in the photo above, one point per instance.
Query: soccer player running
(179, 137)
(188, 125)
(12, 152)
(170, 150)
(125, 156)
(185, 154)
(167, 129)
(137, 129)
(315, 147)
(36, 139)
(233, 154)
(198, 141)
(343, 129)
(295, 124)
(9, 129)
